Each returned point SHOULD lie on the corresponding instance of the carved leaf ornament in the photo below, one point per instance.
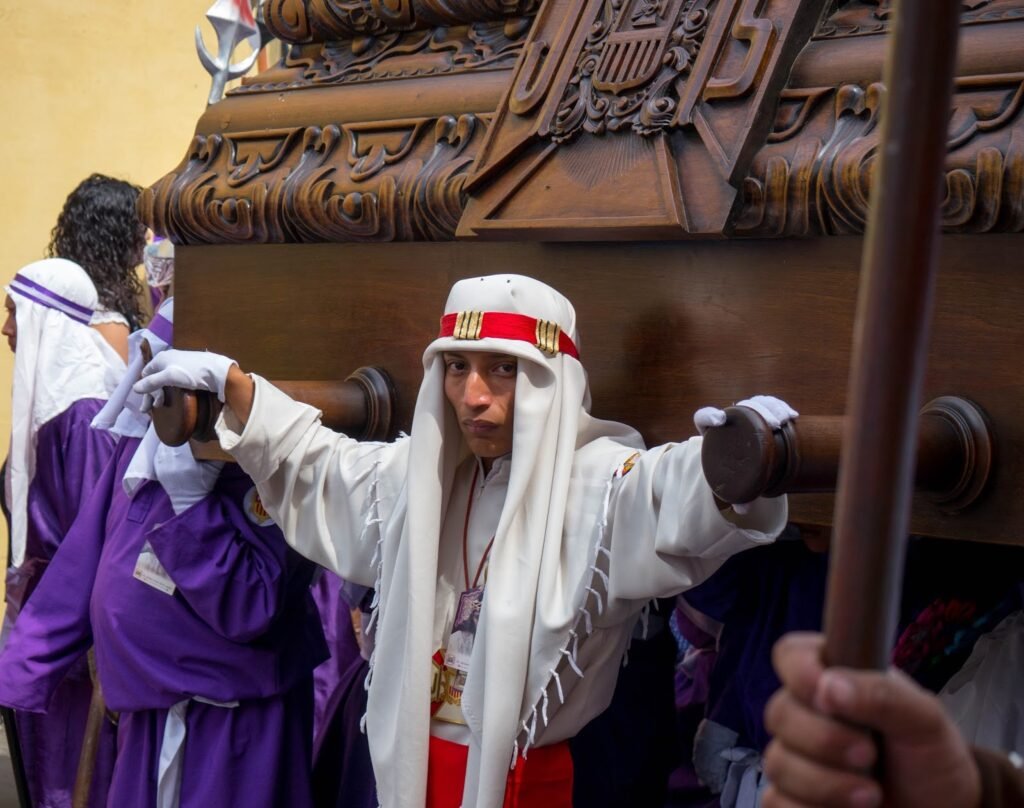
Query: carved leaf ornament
(868, 17)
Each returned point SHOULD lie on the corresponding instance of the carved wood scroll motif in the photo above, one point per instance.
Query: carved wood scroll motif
(814, 174)
(365, 131)
(622, 119)
(820, 184)
(398, 180)
(392, 54)
(865, 17)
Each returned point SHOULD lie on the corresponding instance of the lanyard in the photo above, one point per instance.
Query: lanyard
(465, 537)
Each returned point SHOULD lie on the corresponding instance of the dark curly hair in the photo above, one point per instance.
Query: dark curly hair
(100, 230)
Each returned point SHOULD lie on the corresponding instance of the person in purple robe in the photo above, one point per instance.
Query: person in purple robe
(342, 770)
(64, 371)
(756, 596)
(342, 643)
(204, 628)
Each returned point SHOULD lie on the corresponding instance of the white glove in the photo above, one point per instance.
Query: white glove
(707, 417)
(775, 411)
(191, 370)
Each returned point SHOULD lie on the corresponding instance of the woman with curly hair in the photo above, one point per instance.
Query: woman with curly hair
(100, 230)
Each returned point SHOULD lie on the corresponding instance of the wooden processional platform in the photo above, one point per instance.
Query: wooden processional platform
(693, 174)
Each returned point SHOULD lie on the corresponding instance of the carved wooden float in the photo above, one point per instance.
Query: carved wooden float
(693, 174)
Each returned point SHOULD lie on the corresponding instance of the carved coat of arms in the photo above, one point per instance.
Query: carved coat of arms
(635, 47)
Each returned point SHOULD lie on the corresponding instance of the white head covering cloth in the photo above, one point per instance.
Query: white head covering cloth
(534, 570)
(59, 360)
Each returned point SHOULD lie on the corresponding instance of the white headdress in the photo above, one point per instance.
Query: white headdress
(534, 567)
(59, 360)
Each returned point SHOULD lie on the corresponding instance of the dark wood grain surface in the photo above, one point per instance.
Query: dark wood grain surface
(665, 328)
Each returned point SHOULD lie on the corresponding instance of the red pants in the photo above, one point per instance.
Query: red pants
(544, 780)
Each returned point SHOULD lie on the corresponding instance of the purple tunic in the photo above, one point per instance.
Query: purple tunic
(341, 641)
(757, 595)
(342, 771)
(240, 626)
(70, 457)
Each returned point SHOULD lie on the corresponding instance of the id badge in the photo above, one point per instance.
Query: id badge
(467, 618)
(151, 572)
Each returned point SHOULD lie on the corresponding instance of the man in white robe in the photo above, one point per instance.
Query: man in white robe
(507, 485)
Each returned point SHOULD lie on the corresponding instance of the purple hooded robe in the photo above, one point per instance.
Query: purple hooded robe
(232, 648)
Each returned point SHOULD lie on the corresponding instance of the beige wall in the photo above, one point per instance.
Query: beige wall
(106, 85)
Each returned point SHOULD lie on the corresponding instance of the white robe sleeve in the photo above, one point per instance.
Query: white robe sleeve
(327, 492)
(666, 531)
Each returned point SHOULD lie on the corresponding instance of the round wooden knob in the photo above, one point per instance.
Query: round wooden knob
(956, 452)
(185, 415)
(745, 459)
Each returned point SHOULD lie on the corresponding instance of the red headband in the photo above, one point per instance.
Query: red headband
(543, 334)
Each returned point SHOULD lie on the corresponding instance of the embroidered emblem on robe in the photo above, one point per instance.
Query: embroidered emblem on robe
(627, 467)
(254, 510)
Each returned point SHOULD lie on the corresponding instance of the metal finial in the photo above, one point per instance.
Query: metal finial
(234, 23)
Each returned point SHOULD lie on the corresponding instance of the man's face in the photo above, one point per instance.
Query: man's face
(481, 387)
(10, 329)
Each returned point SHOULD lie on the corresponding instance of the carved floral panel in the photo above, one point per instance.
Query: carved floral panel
(394, 55)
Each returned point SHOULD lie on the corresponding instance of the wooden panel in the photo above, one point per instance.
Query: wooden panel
(664, 329)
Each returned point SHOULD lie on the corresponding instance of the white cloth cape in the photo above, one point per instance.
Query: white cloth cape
(59, 360)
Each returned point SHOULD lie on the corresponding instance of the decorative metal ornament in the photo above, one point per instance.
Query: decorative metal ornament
(234, 23)
(468, 325)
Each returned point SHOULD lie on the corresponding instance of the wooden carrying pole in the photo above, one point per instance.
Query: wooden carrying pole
(17, 762)
(91, 741)
(891, 337)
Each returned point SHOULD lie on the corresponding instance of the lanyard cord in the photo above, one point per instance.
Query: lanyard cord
(465, 537)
